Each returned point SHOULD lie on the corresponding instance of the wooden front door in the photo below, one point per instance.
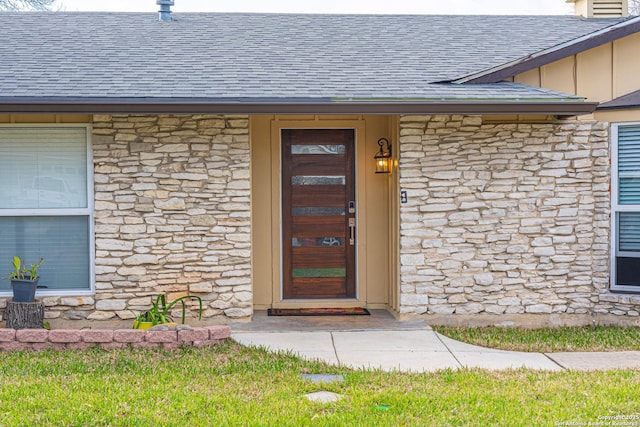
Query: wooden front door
(318, 213)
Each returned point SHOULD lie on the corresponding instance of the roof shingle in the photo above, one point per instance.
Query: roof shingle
(238, 56)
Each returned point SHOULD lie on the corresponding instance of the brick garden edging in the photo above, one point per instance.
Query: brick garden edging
(80, 339)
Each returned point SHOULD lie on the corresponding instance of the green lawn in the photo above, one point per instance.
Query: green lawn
(547, 340)
(233, 385)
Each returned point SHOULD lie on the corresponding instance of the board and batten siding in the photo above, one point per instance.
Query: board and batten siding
(600, 74)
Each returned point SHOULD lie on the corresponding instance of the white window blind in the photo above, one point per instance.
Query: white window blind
(629, 231)
(43, 168)
(62, 241)
(629, 165)
(44, 204)
(626, 208)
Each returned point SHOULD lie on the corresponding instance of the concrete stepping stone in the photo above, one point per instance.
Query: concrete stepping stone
(323, 397)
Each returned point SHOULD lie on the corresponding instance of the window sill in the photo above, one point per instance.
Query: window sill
(627, 290)
(60, 293)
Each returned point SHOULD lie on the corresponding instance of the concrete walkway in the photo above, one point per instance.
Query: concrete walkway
(382, 342)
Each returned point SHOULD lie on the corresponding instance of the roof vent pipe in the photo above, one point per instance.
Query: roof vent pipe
(164, 14)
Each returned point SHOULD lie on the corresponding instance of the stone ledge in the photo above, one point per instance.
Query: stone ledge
(96, 335)
(7, 335)
(219, 332)
(82, 339)
(32, 335)
(162, 336)
(65, 336)
(193, 335)
(129, 335)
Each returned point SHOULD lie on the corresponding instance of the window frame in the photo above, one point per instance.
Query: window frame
(616, 208)
(87, 212)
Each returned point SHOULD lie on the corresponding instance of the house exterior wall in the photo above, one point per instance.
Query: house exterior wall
(505, 219)
(600, 74)
(172, 208)
(619, 116)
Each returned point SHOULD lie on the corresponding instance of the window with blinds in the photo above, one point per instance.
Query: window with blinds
(45, 204)
(626, 207)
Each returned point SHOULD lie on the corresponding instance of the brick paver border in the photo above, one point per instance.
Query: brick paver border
(77, 339)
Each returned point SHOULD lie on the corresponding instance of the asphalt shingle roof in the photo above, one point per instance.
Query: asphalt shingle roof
(629, 100)
(208, 55)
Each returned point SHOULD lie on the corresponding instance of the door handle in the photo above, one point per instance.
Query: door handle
(352, 231)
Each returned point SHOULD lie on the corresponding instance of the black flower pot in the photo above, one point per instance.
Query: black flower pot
(24, 290)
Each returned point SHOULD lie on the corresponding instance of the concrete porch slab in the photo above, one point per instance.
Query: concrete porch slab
(378, 320)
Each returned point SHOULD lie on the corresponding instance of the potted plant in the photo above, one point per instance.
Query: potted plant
(159, 312)
(24, 280)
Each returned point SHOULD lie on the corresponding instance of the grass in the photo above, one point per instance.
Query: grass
(548, 340)
(233, 385)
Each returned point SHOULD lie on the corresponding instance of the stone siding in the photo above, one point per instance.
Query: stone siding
(505, 219)
(172, 215)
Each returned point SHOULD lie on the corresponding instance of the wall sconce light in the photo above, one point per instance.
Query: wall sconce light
(383, 157)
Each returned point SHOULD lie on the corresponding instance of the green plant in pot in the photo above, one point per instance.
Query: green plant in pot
(160, 310)
(24, 280)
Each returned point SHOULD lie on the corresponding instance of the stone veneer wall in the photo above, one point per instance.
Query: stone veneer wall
(172, 215)
(505, 218)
